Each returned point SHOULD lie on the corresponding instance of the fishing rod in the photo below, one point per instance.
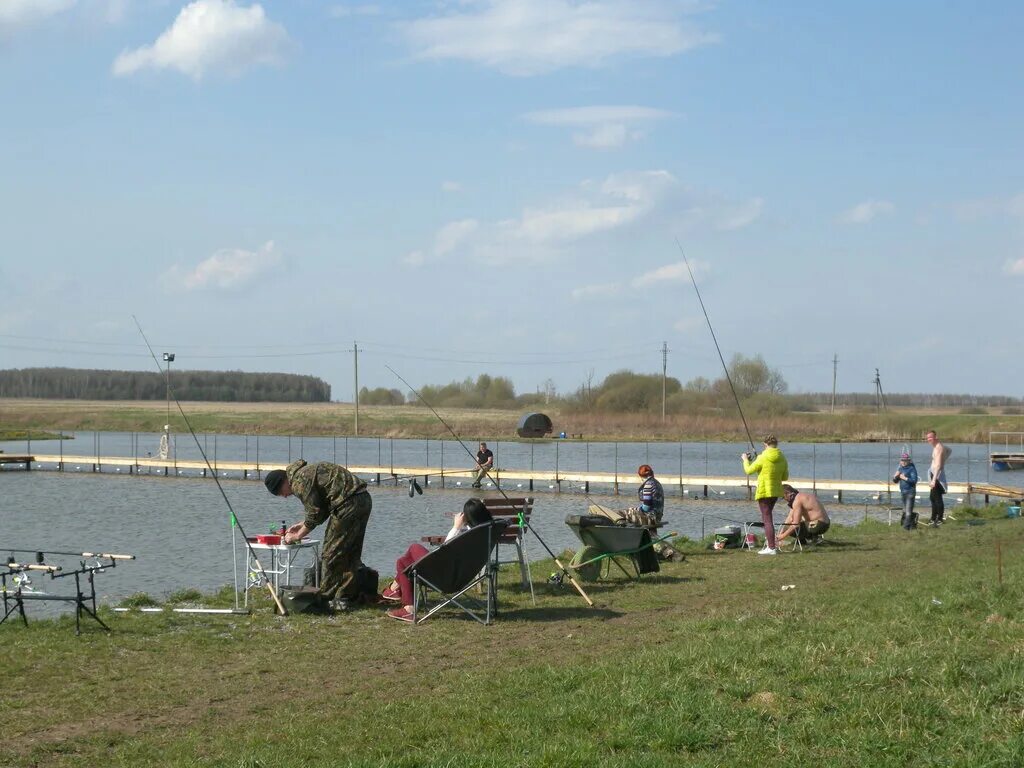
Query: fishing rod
(728, 378)
(234, 518)
(415, 487)
(40, 552)
(522, 521)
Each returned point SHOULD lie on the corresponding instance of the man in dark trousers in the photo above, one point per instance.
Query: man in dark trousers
(484, 463)
(332, 493)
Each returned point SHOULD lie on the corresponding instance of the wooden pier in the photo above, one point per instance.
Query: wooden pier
(11, 458)
(687, 485)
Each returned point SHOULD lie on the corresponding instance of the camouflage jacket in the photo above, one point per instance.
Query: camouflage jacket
(322, 488)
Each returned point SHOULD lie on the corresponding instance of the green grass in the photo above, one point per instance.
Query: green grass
(893, 649)
(18, 416)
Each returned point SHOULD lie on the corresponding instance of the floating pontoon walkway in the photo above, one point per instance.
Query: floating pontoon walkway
(692, 485)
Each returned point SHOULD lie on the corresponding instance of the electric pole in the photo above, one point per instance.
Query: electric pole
(664, 377)
(355, 367)
(879, 394)
(835, 369)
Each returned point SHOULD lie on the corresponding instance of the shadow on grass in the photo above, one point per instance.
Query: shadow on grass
(610, 585)
(558, 613)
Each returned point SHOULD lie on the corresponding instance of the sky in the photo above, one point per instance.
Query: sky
(509, 187)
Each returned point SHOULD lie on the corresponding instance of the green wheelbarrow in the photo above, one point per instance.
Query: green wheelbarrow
(605, 544)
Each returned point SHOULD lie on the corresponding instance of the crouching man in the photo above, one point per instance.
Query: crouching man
(807, 519)
(329, 493)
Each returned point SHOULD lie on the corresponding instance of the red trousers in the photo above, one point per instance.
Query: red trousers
(412, 554)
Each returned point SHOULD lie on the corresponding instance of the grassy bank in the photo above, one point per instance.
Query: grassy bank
(892, 649)
(417, 422)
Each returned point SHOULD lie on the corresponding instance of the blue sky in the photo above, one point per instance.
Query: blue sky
(470, 186)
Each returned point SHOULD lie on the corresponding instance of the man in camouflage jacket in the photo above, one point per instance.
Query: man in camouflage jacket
(328, 492)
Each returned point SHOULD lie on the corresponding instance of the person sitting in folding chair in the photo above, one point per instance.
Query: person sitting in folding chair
(400, 591)
(807, 520)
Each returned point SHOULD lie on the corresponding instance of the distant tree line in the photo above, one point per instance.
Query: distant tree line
(919, 399)
(762, 390)
(223, 386)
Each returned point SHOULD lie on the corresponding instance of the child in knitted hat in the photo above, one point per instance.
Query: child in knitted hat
(906, 476)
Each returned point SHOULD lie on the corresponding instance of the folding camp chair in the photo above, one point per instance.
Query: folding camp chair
(751, 544)
(453, 569)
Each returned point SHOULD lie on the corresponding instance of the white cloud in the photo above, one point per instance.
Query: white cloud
(606, 127)
(211, 36)
(543, 233)
(741, 216)
(15, 14)
(228, 268)
(668, 273)
(595, 291)
(1014, 267)
(452, 234)
(347, 11)
(867, 211)
(451, 186)
(529, 37)
(595, 115)
(972, 210)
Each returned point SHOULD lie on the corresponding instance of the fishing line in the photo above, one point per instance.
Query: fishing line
(728, 378)
(213, 474)
(523, 522)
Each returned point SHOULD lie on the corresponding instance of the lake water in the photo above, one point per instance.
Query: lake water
(179, 529)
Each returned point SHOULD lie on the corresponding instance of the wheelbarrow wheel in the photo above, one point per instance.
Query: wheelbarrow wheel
(589, 571)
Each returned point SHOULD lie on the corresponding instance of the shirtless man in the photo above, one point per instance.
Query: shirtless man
(807, 518)
(937, 477)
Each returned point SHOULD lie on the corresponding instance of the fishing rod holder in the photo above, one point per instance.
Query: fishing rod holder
(21, 590)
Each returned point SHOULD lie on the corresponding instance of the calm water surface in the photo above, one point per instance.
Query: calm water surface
(178, 527)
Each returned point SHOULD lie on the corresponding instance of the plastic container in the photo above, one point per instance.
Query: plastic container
(268, 538)
(750, 541)
(1013, 511)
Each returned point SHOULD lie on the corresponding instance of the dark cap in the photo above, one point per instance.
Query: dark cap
(274, 479)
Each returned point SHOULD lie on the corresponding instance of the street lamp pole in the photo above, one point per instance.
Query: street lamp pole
(168, 358)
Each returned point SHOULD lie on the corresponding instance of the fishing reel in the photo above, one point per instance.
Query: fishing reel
(556, 578)
(751, 455)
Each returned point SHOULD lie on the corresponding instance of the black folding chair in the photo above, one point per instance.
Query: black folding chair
(453, 569)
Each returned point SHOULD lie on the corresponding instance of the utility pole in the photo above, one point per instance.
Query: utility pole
(664, 377)
(835, 369)
(355, 357)
(879, 394)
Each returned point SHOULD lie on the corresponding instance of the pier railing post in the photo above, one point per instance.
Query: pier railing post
(814, 467)
(681, 470)
(616, 468)
(969, 502)
(558, 481)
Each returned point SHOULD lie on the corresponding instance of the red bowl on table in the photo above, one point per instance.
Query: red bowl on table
(268, 538)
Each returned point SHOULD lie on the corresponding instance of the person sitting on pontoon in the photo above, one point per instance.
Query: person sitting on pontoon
(807, 519)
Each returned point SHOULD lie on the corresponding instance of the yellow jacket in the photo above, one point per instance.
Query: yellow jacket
(772, 470)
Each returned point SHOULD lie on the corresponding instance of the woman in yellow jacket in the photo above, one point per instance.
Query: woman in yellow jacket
(772, 470)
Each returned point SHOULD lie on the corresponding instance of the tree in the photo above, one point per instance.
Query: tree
(752, 374)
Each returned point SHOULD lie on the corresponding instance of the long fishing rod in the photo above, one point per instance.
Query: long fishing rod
(715, 339)
(234, 518)
(415, 487)
(523, 522)
(72, 554)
